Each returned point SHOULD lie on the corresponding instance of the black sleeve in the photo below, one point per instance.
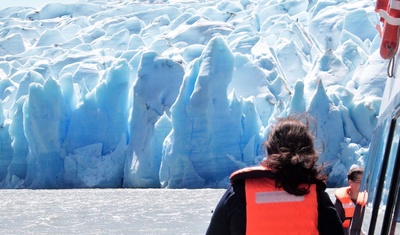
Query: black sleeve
(229, 217)
(339, 209)
(329, 222)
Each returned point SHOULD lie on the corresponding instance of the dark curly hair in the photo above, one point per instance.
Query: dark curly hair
(292, 155)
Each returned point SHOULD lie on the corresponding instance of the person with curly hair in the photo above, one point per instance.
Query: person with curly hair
(285, 194)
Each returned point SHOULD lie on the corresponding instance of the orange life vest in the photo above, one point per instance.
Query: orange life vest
(342, 194)
(276, 211)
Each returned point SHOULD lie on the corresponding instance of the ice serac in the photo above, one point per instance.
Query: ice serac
(20, 145)
(5, 145)
(98, 134)
(156, 89)
(327, 116)
(204, 146)
(45, 119)
(293, 60)
(297, 102)
(12, 45)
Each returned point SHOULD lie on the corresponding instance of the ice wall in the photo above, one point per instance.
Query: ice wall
(131, 94)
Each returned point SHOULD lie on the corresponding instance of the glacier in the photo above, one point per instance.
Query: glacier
(179, 94)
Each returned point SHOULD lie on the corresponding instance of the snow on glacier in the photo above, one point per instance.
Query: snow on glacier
(179, 94)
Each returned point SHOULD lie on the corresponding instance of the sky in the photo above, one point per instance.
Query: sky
(179, 94)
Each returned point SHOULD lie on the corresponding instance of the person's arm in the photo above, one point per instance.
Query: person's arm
(329, 222)
(229, 216)
(219, 221)
(339, 209)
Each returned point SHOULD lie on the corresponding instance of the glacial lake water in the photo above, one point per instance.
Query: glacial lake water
(108, 211)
